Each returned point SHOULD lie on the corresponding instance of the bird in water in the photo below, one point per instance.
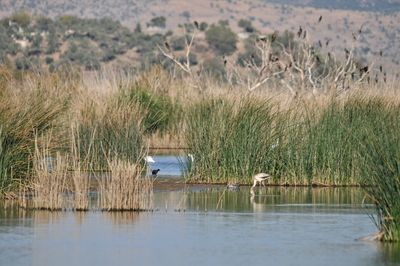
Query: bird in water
(233, 187)
(149, 159)
(154, 172)
(260, 178)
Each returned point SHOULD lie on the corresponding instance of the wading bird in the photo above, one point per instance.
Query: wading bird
(260, 178)
(233, 187)
(155, 172)
(149, 159)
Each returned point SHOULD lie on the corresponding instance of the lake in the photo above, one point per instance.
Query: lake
(202, 225)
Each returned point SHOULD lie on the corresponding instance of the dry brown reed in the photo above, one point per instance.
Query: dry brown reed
(124, 188)
(80, 177)
(50, 179)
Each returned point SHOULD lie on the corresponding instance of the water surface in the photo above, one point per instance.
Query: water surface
(203, 225)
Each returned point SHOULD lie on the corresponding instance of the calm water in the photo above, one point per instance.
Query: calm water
(169, 165)
(202, 225)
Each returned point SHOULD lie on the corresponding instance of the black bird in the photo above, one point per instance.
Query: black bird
(380, 68)
(364, 69)
(380, 53)
(320, 43)
(327, 43)
(299, 32)
(320, 18)
(273, 36)
(155, 172)
(304, 34)
(347, 52)
(196, 24)
(360, 30)
(167, 46)
(225, 61)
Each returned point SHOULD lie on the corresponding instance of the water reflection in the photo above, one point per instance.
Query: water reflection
(122, 218)
(273, 199)
(284, 226)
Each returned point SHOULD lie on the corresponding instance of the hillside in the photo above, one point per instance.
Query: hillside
(339, 19)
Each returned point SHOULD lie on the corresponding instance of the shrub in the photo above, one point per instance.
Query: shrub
(221, 38)
(246, 25)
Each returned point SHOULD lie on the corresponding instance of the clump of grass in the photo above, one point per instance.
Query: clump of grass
(49, 184)
(111, 130)
(24, 113)
(124, 188)
(158, 111)
(80, 173)
(230, 139)
(382, 171)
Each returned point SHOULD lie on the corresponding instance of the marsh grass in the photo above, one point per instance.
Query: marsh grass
(229, 138)
(49, 184)
(382, 172)
(115, 130)
(80, 168)
(124, 188)
(26, 111)
(305, 144)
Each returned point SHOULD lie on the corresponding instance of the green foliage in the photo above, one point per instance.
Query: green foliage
(115, 133)
(35, 115)
(157, 22)
(380, 150)
(246, 25)
(23, 63)
(84, 53)
(178, 43)
(158, 111)
(214, 67)
(298, 147)
(52, 41)
(229, 139)
(22, 18)
(221, 38)
(203, 26)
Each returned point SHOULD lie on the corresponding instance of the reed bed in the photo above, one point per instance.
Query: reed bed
(26, 111)
(382, 172)
(228, 139)
(49, 184)
(124, 188)
(80, 173)
(323, 140)
(302, 145)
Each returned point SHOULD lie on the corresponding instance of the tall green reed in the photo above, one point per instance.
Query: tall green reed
(229, 139)
(303, 145)
(23, 115)
(381, 153)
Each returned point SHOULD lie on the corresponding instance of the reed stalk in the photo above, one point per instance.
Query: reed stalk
(124, 188)
(50, 181)
(80, 173)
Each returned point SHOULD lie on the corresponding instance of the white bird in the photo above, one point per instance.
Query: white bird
(149, 159)
(191, 156)
(260, 178)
